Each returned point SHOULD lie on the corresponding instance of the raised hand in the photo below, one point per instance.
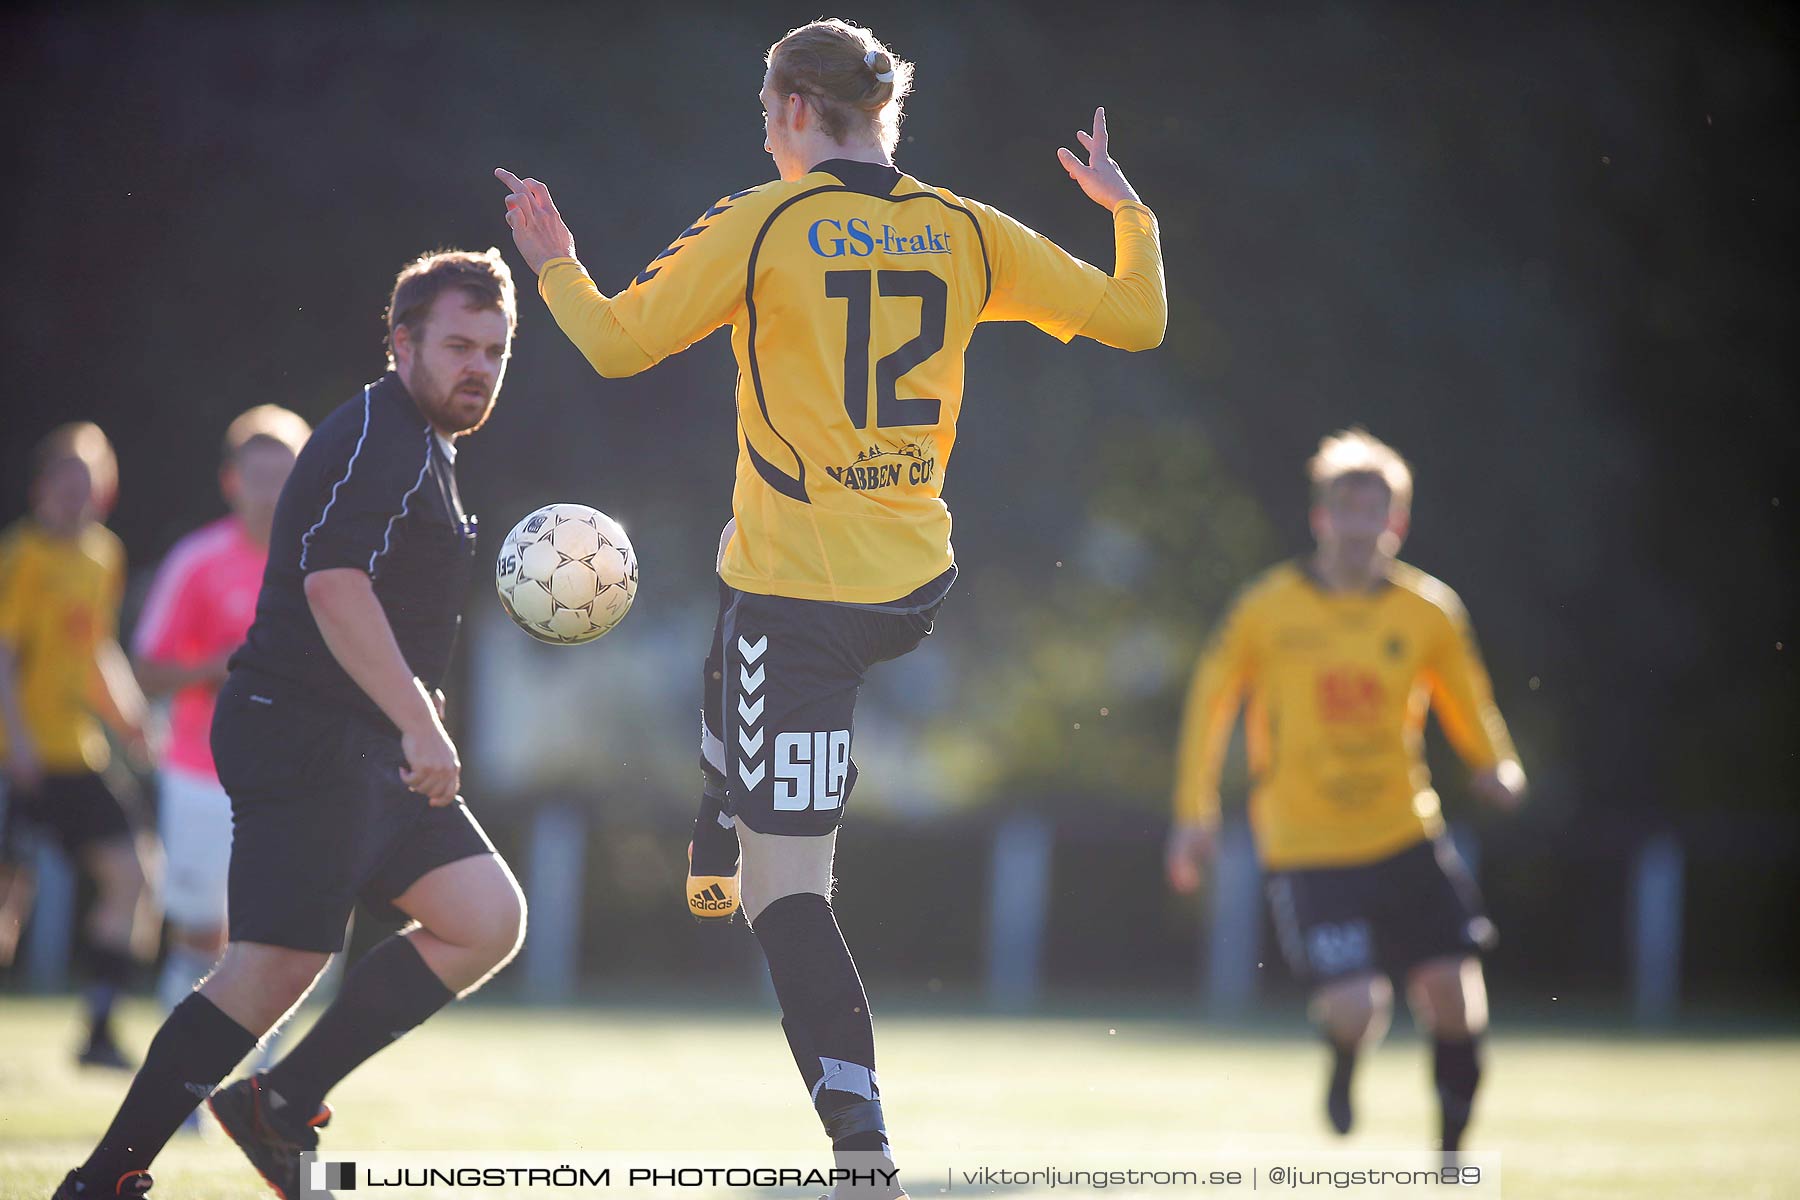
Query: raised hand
(537, 227)
(1100, 176)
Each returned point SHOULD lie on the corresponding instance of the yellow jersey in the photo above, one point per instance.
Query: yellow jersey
(1338, 685)
(59, 602)
(852, 294)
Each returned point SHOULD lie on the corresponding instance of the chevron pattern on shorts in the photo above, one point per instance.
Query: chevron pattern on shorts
(750, 767)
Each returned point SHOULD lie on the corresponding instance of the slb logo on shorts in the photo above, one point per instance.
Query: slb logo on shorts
(810, 769)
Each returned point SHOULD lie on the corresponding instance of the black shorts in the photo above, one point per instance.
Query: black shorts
(780, 702)
(78, 809)
(1386, 916)
(320, 819)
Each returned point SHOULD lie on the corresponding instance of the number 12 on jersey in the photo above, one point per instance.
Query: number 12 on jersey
(859, 289)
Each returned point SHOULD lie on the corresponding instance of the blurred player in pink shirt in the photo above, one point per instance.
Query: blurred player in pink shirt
(198, 611)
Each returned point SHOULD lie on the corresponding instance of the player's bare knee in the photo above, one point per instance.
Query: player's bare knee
(494, 931)
(258, 985)
(287, 979)
(762, 889)
(1354, 1009)
(117, 873)
(777, 866)
(488, 945)
(1355, 998)
(1449, 997)
(504, 930)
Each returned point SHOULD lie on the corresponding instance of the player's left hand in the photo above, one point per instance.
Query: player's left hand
(1100, 177)
(537, 227)
(1502, 786)
(1189, 851)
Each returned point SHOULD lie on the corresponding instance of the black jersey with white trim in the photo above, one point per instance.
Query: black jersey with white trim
(373, 490)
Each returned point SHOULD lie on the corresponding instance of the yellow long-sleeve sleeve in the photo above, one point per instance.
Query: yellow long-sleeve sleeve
(1133, 313)
(586, 317)
(1463, 696)
(1036, 280)
(1212, 706)
(686, 292)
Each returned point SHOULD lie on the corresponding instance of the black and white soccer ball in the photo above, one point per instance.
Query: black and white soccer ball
(566, 574)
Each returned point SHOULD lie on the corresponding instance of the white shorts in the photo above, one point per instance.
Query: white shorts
(195, 823)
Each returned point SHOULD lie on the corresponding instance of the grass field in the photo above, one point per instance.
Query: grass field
(1572, 1113)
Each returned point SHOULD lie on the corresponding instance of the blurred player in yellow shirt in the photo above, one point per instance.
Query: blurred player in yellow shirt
(1338, 657)
(62, 673)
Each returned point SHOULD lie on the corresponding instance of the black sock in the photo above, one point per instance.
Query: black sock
(826, 1016)
(1456, 1070)
(853, 1148)
(110, 971)
(1337, 1095)
(715, 842)
(193, 1050)
(386, 995)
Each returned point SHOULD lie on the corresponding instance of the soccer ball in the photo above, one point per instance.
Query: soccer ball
(566, 574)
